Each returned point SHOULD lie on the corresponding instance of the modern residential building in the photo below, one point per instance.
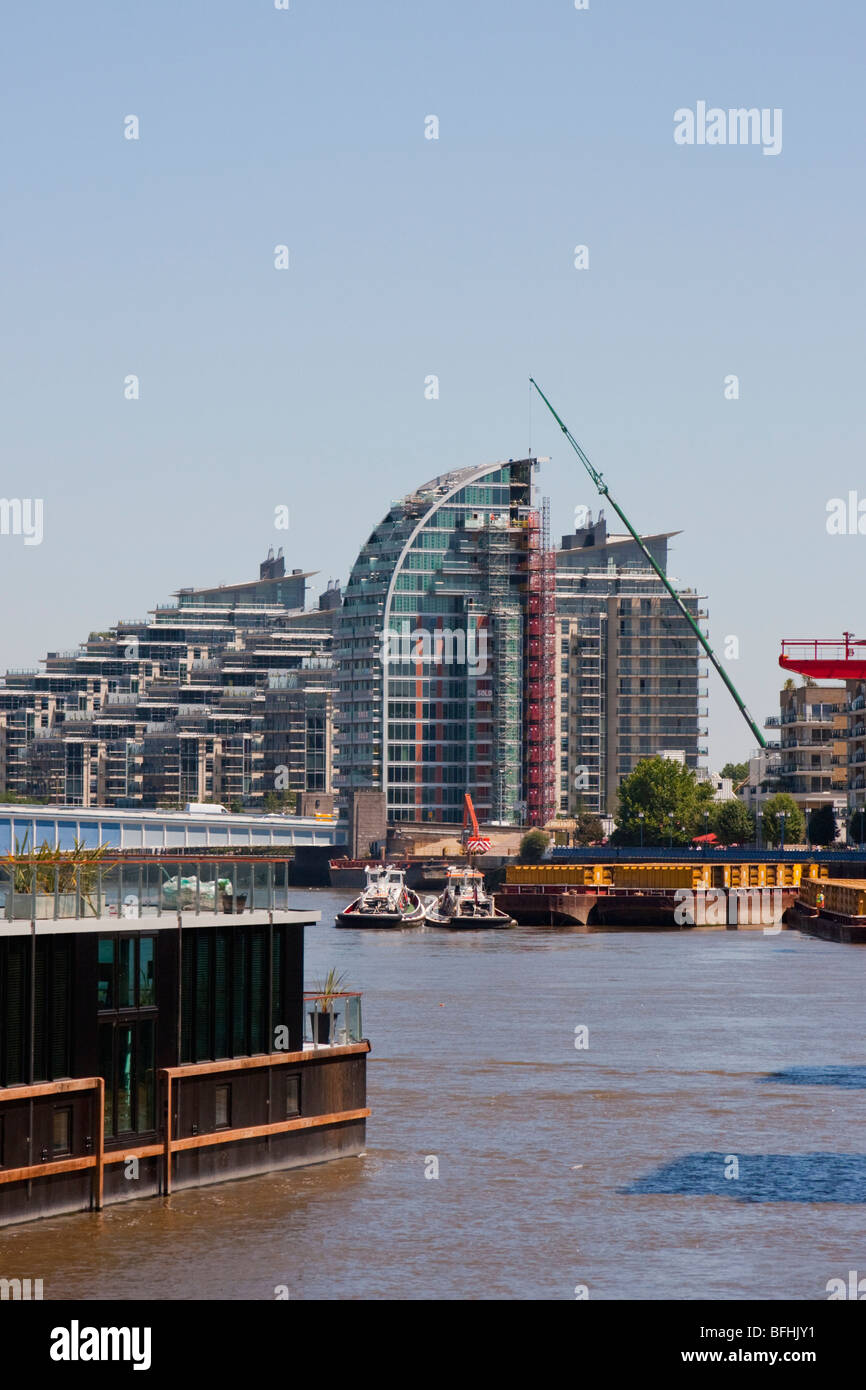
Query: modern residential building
(812, 762)
(223, 695)
(630, 673)
(443, 653)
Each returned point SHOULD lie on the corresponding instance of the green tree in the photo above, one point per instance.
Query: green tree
(771, 825)
(822, 826)
(588, 829)
(671, 799)
(533, 846)
(857, 826)
(738, 772)
(732, 823)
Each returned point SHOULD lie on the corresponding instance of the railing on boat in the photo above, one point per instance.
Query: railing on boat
(336, 1025)
(41, 888)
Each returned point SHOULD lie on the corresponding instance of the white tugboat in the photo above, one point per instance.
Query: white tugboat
(466, 903)
(384, 902)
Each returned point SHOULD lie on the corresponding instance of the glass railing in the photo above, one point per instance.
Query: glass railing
(34, 888)
(332, 1021)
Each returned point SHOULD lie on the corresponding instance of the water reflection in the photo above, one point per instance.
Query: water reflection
(849, 1077)
(820, 1177)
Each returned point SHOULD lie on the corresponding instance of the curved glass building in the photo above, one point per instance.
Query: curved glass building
(442, 682)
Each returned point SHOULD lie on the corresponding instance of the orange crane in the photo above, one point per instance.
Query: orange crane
(473, 841)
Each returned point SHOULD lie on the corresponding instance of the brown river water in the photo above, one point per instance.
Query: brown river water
(706, 1142)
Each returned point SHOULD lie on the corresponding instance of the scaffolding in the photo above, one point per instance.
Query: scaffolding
(540, 671)
(505, 635)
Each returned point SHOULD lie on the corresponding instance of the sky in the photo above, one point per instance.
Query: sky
(410, 257)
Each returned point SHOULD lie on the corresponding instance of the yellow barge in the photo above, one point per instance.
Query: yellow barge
(673, 875)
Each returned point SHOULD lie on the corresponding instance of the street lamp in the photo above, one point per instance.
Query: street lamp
(706, 830)
(640, 816)
(782, 816)
(759, 816)
(670, 830)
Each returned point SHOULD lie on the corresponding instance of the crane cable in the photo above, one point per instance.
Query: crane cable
(602, 487)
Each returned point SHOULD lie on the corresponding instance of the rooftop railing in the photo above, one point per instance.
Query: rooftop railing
(34, 888)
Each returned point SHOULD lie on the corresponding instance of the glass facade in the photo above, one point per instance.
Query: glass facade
(232, 991)
(126, 1001)
(431, 650)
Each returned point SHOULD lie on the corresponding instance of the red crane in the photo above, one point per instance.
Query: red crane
(473, 841)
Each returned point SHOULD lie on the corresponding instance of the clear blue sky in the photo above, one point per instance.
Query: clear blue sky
(410, 257)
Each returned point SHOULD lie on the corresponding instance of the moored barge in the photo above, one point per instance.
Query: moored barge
(149, 1042)
(833, 909)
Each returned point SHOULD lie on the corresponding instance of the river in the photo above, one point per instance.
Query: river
(614, 1115)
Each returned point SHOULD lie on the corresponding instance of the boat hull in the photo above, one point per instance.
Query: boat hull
(352, 917)
(497, 920)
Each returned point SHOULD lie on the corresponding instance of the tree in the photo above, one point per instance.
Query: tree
(732, 823)
(588, 829)
(795, 824)
(236, 808)
(738, 772)
(280, 801)
(658, 787)
(822, 826)
(533, 846)
(857, 826)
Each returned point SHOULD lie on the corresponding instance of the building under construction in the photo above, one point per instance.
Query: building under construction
(444, 653)
(631, 682)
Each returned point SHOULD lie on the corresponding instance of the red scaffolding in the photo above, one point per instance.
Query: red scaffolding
(539, 721)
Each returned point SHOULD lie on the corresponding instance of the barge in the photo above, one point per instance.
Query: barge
(150, 1042)
(833, 909)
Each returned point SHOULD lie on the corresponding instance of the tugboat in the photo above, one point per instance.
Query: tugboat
(385, 902)
(466, 904)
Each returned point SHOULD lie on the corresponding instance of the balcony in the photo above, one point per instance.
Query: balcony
(69, 885)
(333, 1020)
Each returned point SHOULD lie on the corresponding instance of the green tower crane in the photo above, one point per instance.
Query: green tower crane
(603, 489)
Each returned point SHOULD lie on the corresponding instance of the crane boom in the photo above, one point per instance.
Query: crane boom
(470, 819)
(601, 485)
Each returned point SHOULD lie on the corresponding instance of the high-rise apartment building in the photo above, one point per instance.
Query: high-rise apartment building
(443, 653)
(629, 672)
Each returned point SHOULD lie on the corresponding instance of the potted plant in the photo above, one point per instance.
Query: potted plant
(47, 876)
(323, 1015)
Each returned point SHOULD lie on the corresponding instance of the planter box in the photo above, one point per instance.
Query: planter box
(20, 906)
